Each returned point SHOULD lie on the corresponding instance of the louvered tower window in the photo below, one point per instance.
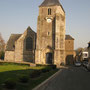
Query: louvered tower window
(49, 11)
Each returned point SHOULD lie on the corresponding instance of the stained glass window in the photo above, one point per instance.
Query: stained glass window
(29, 43)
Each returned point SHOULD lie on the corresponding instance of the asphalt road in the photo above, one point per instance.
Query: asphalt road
(72, 78)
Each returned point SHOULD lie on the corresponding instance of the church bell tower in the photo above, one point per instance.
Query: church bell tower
(50, 42)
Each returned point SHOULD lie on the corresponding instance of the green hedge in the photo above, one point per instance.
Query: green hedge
(48, 66)
(12, 63)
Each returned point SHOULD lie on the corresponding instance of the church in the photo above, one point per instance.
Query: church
(49, 45)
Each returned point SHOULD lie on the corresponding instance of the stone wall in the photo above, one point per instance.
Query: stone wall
(21, 54)
(9, 56)
(69, 45)
(19, 50)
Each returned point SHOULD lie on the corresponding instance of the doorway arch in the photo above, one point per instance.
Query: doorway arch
(49, 58)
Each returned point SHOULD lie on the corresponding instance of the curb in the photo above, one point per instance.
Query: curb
(46, 81)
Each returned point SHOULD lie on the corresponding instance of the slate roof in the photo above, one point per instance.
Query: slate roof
(11, 42)
(50, 3)
(68, 37)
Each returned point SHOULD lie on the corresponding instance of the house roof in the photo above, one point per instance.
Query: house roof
(68, 37)
(11, 42)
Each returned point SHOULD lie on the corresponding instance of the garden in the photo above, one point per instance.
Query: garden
(23, 77)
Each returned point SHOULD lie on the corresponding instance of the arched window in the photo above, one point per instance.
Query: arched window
(29, 43)
(49, 11)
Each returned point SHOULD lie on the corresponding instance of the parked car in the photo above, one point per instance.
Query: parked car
(77, 63)
(85, 63)
(88, 66)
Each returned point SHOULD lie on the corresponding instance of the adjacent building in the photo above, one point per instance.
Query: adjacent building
(69, 50)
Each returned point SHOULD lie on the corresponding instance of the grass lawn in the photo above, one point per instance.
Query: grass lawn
(15, 71)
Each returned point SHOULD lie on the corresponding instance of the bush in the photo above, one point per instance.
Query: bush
(48, 66)
(35, 73)
(45, 70)
(10, 83)
(53, 66)
(24, 79)
(2, 55)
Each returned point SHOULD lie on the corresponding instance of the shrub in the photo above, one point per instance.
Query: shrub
(51, 67)
(24, 79)
(48, 66)
(45, 70)
(10, 83)
(2, 55)
(35, 73)
(54, 67)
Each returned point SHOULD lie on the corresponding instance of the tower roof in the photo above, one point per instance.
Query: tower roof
(68, 37)
(50, 3)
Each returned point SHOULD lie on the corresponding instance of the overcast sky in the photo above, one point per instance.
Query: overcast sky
(17, 15)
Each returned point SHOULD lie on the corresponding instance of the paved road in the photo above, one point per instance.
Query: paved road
(73, 78)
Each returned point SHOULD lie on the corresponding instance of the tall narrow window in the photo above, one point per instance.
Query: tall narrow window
(49, 11)
(61, 41)
(29, 43)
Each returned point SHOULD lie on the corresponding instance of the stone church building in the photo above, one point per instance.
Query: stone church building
(49, 45)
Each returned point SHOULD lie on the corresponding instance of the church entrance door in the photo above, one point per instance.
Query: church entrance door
(49, 58)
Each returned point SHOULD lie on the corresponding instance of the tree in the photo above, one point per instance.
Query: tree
(79, 54)
(79, 50)
(2, 47)
(2, 43)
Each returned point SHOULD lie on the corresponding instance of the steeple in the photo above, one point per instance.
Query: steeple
(50, 3)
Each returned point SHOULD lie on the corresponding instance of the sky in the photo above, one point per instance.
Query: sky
(17, 15)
